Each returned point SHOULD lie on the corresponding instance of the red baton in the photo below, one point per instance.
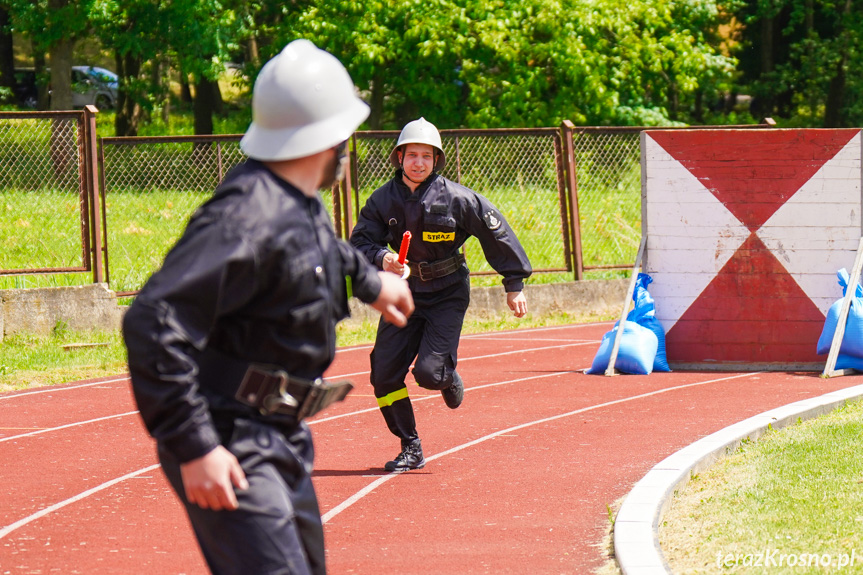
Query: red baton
(403, 249)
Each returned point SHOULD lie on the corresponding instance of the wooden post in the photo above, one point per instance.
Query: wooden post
(635, 269)
(839, 334)
(93, 192)
(571, 182)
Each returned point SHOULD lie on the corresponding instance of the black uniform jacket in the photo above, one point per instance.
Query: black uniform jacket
(441, 215)
(257, 277)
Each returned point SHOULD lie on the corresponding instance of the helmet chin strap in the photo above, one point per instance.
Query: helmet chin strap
(405, 174)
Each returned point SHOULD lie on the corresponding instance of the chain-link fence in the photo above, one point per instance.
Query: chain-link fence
(44, 193)
(519, 171)
(150, 187)
(572, 195)
(608, 184)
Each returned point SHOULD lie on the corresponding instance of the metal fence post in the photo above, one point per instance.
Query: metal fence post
(457, 161)
(567, 128)
(352, 196)
(93, 192)
(100, 178)
(566, 226)
(346, 190)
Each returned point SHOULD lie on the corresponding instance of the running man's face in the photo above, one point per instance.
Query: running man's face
(417, 161)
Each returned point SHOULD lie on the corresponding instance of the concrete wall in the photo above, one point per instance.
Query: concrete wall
(40, 310)
(94, 307)
(588, 297)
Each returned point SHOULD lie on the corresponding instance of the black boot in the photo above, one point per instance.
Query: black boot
(454, 394)
(411, 457)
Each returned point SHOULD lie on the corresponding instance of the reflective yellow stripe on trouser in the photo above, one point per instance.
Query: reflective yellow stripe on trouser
(393, 397)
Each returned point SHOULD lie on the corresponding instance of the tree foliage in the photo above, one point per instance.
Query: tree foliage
(803, 60)
(489, 63)
(53, 27)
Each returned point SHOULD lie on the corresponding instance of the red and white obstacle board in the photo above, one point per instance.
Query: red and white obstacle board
(746, 230)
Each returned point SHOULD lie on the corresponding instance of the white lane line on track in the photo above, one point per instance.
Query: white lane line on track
(332, 513)
(11, 437)
(502, 340)
(6, 530)
(427, 397)
(534, 329)
(83, 495)
(356, 348)
(497, 335)
(381, 480)
(489, 356)
(68, 425)
(54, 389)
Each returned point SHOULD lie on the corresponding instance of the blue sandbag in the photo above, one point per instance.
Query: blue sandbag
(642, 344)
(635, 354)
(644, 314)
(848, 362)
(852, 341)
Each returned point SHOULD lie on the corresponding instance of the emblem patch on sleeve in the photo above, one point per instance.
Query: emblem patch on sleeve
(492, 221)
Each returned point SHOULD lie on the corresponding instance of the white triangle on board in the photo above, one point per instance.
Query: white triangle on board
(691, 235)
(816, 232)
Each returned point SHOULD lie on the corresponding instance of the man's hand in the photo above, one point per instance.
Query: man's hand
(517, 303)
(209, 481)
(391, 264)
(395, 301)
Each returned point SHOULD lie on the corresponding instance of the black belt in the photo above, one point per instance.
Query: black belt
(437, 269)
(278, 392)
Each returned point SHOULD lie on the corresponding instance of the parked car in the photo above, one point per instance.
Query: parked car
(91, 85)
(94, 86)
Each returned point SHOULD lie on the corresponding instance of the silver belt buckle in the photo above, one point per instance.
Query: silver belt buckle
(266, 391)
(273, 402)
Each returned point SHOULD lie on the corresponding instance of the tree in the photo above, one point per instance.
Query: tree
(405, 55)
(54, 27)
(467, 63)
(492, 63)
(136, 30)
(802, 59)
(204, 34)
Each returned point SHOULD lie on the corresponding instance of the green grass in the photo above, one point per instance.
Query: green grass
(39, 226)
(181, 122)
(41, 229)
(29, 360)
(147, 225)
(796, 491)
(152, 189)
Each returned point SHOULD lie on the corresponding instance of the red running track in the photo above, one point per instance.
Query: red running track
(518, 479)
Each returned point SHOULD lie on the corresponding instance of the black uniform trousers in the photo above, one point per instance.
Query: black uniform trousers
(431, 336)
(277, 529)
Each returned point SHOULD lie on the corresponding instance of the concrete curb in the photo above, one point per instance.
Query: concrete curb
(94, 306)
(636, 535)
(589, 297)
(40, 310)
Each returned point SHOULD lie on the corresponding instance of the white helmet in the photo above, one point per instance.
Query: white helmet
(419, 132)
(304, 102)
